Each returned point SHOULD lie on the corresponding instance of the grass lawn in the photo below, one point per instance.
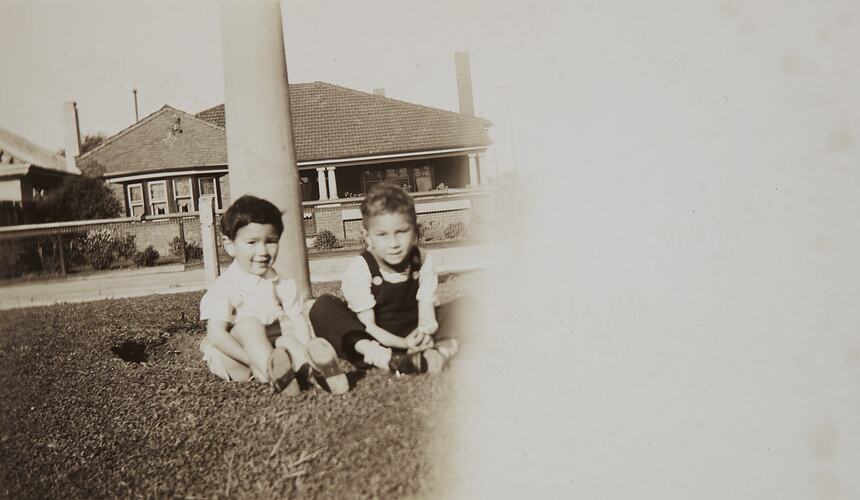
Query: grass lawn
(77, 421)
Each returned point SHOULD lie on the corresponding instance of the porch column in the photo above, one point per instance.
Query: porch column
(482, 168)
(321, 183)
(473, 170)
(332, 184)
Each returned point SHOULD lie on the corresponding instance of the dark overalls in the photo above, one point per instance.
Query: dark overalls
(396, 310)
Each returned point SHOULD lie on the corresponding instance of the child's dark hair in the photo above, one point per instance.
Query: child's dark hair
(387, 199)
(250, 209)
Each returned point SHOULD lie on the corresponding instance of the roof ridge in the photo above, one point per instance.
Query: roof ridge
(125, 131)
(20, 148)
(216, 127)
(399, 101)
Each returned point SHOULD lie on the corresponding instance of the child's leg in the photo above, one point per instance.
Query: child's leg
(223, 366)
(251, 333)
(334, 321)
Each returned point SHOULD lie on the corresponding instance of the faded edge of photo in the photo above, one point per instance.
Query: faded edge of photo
(679, 317)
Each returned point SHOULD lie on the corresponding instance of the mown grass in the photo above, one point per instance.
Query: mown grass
(77, 421)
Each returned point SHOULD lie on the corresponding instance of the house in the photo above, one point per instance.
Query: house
(345, 140)
(27, 173)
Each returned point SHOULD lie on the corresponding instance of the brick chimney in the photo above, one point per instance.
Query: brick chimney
(73, 136)
(379, 92)
(464, 83)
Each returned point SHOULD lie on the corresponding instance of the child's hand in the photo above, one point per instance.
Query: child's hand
(415, 338)
(428, 327)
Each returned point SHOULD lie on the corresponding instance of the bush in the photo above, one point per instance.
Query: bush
(455, 231)
(193, 251)
(103, 247)
(148, 257)
(79, 198)
(326, 240)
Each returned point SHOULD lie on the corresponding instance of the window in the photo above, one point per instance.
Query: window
(423, 178)
(135, 200)
(398, 177)
(372, 177)
(183, 195)
(208, 186)
(158, 197)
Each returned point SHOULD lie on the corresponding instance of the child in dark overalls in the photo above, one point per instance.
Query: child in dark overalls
(389, 319)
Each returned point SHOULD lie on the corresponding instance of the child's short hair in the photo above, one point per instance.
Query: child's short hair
(250, 209)
(387, 199)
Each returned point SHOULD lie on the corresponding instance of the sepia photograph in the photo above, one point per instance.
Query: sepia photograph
(461, 249)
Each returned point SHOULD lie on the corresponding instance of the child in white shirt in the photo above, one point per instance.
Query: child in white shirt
(245, 307)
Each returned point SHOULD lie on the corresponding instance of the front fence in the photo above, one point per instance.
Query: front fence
(79, 247)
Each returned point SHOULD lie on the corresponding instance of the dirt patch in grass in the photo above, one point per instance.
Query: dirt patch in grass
(110, 398)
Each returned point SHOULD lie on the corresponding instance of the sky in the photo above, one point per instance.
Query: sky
(681, 320)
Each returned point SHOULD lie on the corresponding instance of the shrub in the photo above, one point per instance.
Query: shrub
(103, 247)
(148, 257)
(193, 251)
(455, 230)
(13, 259)
(326, 240)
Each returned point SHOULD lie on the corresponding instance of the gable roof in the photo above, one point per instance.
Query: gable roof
(329, 122)
(15, 150)
(160, 142)
(334, 122)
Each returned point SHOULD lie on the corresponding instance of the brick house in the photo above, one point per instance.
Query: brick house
(345, 140)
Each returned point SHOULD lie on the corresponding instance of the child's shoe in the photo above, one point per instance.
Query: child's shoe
(408, 363)
(440, 355)
(323, 358)
(279, 369)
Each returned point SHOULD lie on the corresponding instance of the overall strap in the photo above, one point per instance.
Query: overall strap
(372, 265)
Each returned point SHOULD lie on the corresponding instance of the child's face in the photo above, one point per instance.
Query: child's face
(390, 237)
(254, 248)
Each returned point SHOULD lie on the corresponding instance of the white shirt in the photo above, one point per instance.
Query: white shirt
(356, 281)
(237, 294)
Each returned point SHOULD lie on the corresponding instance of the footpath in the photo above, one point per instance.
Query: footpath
(176, 279)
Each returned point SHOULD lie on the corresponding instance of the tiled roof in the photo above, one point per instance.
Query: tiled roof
(332, 122)
(16, 150)
(153, 144)
(329, 122)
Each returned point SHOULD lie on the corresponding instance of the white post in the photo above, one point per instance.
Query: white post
(482, 170)
(473, 170)
(261, 154)
(321, 183)
(211, 267)
(332, 184)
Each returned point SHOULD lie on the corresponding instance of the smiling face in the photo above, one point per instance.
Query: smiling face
(390, 237)
(254, 248)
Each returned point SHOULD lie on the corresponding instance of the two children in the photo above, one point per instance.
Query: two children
(389, 319)
(248, 308)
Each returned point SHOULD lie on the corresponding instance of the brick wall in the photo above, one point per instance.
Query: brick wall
(330, 218)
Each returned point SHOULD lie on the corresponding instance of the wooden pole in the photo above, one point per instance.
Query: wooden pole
(260, 149)
(211, 267)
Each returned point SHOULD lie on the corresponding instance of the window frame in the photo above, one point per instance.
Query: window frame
(190, 195)
(132, 203)
(153, 201)
(216, 187)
